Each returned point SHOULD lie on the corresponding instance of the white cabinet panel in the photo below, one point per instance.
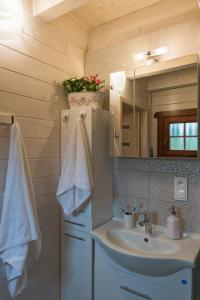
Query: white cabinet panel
(76, 266)
(85, 211)
(107, 285)
(76, 276)
(78, 223)
(180, 282)
(99, 206)
(112, 284)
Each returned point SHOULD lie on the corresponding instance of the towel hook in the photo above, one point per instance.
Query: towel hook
(7, 119)
(82, 115)
(65, 117)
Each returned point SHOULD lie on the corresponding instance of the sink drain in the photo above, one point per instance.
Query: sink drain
(146, 240)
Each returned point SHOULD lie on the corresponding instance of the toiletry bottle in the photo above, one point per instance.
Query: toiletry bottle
(173, 225)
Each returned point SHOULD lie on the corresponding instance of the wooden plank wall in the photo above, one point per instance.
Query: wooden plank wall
(31, 69)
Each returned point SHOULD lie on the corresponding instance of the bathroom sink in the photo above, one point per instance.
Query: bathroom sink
(139, 241)
(150, 255)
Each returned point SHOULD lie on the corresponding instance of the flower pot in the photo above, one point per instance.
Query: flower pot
(94, 99)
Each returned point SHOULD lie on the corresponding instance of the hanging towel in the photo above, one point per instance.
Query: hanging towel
(76, 180)
(20, 241)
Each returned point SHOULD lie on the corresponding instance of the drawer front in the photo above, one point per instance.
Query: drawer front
(82, 221)
(111, 283)
(78, 223)
(85, 211)
(180, 282)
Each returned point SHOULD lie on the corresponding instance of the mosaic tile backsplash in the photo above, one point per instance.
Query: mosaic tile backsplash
(151, 183)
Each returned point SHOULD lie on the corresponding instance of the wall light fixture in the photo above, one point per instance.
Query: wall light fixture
(151, 56)
(11, 18)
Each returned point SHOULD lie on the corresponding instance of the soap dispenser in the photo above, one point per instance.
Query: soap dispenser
(173, 225)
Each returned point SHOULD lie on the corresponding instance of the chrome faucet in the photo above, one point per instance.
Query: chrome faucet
(146, 222)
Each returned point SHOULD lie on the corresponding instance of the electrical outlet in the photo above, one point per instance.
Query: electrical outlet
(180, 188)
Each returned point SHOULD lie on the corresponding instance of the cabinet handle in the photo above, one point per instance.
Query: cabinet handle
(127, 289)
(75, 237)
(75, 223)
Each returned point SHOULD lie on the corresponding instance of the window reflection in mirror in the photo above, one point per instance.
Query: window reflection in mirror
(177, 133)
(173, 109)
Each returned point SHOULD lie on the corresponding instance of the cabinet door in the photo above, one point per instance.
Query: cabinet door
(109, 285)
(76, 266)
(112, 284)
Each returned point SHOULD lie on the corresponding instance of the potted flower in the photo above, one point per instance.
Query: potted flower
(85, 91)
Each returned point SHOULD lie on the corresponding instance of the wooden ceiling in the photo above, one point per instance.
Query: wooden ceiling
(97, 12)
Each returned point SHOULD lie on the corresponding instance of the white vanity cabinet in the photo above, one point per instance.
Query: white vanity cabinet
(76, 267)
(76, 256)
(76, 242)
(112, 282)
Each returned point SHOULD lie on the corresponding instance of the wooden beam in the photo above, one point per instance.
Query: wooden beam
(49, 10)
(176, 113)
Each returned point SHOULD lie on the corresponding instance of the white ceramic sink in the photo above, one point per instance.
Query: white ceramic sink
(139, 241)
(151, 255)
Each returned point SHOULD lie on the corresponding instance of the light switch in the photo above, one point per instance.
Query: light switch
(180, 189)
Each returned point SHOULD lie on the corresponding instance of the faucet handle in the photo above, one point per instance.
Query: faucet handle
(148, 215)
(145, 214)
(144, 217)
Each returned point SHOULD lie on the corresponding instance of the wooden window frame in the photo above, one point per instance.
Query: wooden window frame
(163, 120)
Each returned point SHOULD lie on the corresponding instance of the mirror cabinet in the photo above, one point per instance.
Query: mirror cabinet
(156, 109)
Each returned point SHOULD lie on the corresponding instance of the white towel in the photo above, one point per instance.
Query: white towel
(76, 180)
(20, 241)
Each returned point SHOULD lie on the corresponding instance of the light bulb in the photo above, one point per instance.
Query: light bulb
(11, 18)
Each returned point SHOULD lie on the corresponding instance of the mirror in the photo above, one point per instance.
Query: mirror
(156, 110)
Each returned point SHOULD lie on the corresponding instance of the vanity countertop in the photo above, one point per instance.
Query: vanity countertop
(134, 249)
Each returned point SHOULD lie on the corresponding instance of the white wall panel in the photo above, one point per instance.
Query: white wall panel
(32, 68)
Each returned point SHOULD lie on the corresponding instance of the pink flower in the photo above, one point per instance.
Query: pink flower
(92, 77)
(97, 81)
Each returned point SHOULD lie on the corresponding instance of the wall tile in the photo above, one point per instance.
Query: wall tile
(189, 167)
(161, 187)
(151, 183)
(135, 164)
(194, 190)
(131, 183)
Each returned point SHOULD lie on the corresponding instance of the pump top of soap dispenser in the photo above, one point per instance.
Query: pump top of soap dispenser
(173, 210)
